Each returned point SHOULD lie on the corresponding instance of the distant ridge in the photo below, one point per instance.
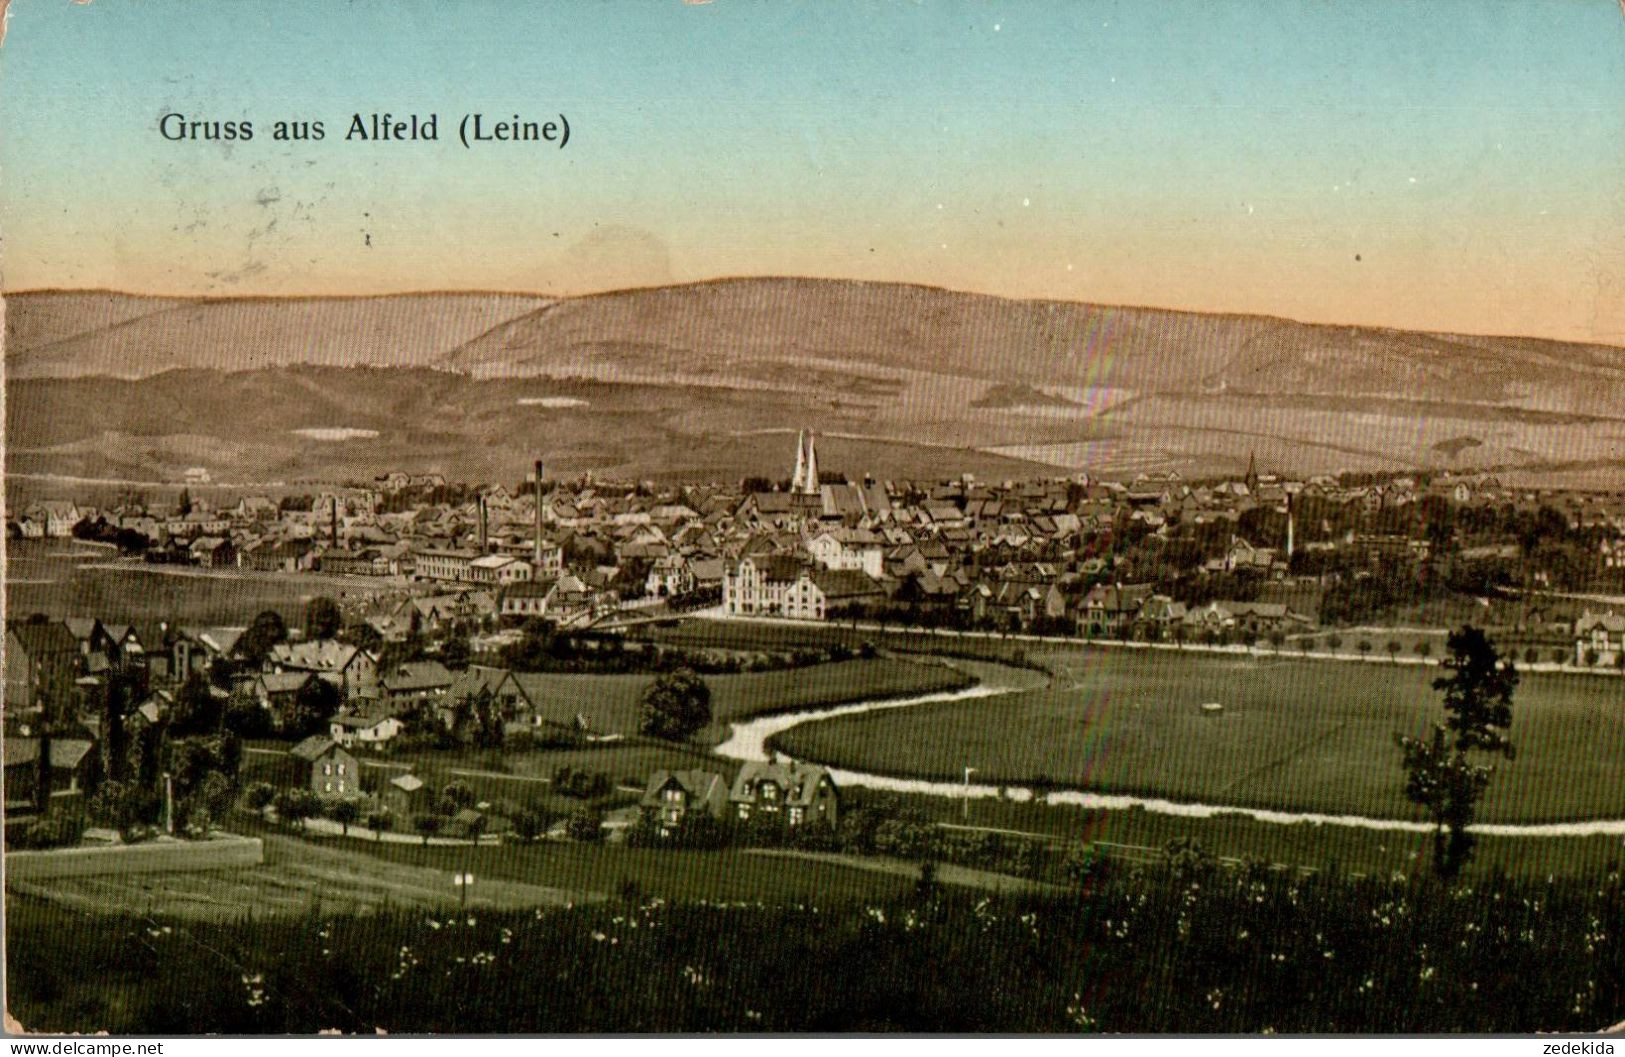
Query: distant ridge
(686, 379)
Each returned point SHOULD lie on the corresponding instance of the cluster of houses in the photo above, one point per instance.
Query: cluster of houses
(786, 792)
(1016, 554)
(55, 670)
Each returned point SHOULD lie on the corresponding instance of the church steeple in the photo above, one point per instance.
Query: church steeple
(811, 482)
(1252, 474)
(805, 480)
(799, 479)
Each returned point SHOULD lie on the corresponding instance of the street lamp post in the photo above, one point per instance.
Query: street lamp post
(169, 803)
(968, 772)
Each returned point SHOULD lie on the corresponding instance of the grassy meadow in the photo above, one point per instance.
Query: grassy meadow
(1301, 735)
(613, 702)
(69, 578)
(1181, 946)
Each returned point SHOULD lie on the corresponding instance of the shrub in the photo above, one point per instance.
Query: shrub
(259, 796)
(56, 830)
(530, 823)
(587, 826)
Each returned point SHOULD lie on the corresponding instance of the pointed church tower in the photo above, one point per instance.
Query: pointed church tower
(799, 479)
(812, 465)
(1252, 474)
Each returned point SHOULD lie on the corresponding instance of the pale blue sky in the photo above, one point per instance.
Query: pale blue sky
(1235, 155)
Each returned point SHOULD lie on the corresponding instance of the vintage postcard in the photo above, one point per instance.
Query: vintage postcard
(956, 516)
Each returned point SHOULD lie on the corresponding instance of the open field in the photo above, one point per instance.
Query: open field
(296, 876)
(345, 875)
(1298, 735)
(1159, 949)
(66, 578)
(674, 874)
(1140, 836)
(612, 702)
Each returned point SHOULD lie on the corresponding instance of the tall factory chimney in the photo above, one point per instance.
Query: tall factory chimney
(484, 532)
(538, 543)
(333, 523)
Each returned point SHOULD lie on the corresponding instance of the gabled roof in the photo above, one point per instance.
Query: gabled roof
(37, 640)
(799, 781)
(313, 748)
(846, 583)
(66, 753)
(699, 785)
(284, 682)
(417, 675)
(320, 655)
(479, 679)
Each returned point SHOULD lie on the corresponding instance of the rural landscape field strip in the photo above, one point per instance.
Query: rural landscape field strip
(759, 737)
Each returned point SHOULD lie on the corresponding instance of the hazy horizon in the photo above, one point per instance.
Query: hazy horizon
(612, 291)
(1449, 167)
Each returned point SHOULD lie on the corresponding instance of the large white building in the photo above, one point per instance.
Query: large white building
(849, 549)
(781, 586)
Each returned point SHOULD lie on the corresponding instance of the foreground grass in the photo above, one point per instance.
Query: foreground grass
(1139, 836)
(597, 870)
(1295, 735)
(297, 876)
(1189, 949)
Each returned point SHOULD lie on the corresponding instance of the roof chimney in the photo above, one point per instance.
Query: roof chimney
(538, 541)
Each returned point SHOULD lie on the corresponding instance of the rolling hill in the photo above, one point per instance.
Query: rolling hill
(902, 380)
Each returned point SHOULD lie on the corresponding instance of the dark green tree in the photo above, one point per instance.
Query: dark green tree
(323, 619)
(344, 812)
(676, 705)
(197, 709)
(455, 653)
(311, 708)
(1441, 775)
(267, 630)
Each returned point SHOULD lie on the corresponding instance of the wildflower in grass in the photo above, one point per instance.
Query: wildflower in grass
(1078, 1015)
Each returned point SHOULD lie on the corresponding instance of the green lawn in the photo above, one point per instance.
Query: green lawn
(1302, 735)
(58, 578)
(728, 875)
(611, 702)
(1140, 835)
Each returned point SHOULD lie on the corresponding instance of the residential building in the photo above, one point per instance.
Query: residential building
(671, 795)
(797, 793)
(331, 768)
